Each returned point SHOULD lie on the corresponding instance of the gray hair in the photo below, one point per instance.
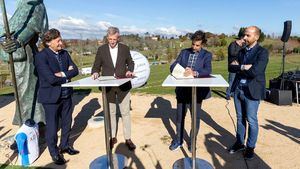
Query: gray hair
(112, 30)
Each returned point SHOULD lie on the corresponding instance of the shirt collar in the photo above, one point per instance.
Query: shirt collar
(54, 51)
(116, 47)
(250, 49)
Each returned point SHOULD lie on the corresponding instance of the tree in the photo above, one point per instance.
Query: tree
(182, 38)
(223, 42)
(222, 36)
(169, 54)
(262, 37)
(220, 55)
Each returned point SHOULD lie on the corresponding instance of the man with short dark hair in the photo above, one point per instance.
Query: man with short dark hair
(197, 63)
(54, 68)
(114, 59)
(249, 88)
(233, 50)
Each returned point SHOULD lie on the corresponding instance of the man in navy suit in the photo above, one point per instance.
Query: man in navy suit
(197, 62)
(249, 88)
(55, 67)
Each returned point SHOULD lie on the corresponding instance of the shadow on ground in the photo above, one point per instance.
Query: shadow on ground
(287, 131)
(6, 99)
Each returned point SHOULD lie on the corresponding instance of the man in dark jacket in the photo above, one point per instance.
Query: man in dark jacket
(54, 68)
(233, 50)
(114, 59)
(249, 88)
(197, 63)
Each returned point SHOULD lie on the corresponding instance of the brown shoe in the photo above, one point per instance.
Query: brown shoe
(130, 145)
(113, 141)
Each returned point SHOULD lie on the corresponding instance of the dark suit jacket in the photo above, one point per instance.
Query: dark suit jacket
(202, 66)
(255, 76)
(104, 64)
(47, 65)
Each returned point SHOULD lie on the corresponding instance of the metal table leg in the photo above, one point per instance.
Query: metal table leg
(297, 94)
(116, 161)
(193, 163)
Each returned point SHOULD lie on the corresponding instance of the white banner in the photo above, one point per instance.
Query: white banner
(141, 69)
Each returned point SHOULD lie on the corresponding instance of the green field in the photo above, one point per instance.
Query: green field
(160, 72)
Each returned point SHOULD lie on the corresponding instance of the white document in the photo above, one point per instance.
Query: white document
(178, 72)
(104, 78)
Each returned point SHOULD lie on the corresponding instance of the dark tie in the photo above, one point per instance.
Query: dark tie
(59, 61)
(246, 56)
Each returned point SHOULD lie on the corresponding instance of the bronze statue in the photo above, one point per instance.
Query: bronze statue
(27, 23)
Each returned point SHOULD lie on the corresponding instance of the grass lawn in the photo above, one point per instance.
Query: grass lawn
(18, 167)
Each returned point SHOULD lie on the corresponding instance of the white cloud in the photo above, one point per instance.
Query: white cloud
(132, 29)
(103, 25)
(168, 31)
(71, 22)
(71, 27)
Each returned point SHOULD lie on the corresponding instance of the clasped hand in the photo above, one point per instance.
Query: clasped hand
(10, 45)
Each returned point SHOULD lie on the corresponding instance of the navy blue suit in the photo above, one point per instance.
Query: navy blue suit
(249, 89)
(202, 66)
(255, 76)
(56, 100)
(184, 94)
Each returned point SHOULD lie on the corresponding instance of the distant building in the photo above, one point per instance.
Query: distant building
(154, 38)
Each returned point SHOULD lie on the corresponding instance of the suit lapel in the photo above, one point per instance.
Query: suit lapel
(52, 60)
(118, 56)
(252, 56)
(200, 56)
(109, 56)
(64, 61)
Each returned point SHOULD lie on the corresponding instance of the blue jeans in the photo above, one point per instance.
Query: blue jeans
(231, 77)
(246, 111)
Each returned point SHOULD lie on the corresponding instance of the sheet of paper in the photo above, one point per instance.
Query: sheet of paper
(178, 72)
(104, 78)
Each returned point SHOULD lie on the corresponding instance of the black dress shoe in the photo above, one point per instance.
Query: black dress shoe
(130, 145)
(58, 159)
(70, 150)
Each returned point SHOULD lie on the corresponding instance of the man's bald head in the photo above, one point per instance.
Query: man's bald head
(251, 35)
(254, 29)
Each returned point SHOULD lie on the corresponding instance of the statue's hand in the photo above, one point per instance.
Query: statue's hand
(10, 45)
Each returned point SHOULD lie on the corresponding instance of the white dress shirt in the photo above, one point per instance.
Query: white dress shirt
(114, 54)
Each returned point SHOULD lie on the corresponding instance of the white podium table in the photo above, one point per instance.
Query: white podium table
(212, 81)
(116, 161)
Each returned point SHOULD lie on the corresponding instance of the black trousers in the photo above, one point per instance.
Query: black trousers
(62, 110)
(180, 118)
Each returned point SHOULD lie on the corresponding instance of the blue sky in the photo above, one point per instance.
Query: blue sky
(90, 18)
